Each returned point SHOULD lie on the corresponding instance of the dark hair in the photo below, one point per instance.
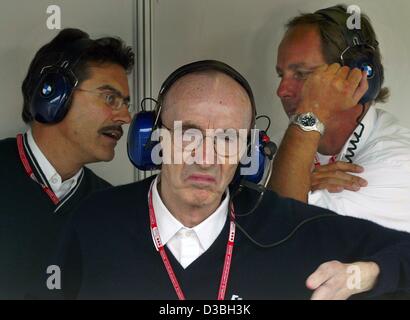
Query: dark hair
(333, 41)
(103, 50)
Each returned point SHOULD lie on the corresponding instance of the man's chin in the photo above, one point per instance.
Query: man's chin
(201, 196)
(106, 156)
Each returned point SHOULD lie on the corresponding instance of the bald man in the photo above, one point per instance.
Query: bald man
(184, 234)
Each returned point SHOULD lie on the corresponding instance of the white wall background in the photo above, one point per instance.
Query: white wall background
(243, 33)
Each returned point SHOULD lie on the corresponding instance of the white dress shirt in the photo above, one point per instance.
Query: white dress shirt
(187, 244)
(382, 148)
(59, 187)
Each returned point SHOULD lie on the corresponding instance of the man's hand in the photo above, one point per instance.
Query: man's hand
(328, 92)
(332, 89)
(337, 177)
(338, 281)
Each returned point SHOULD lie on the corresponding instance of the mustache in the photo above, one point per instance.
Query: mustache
(115, 128)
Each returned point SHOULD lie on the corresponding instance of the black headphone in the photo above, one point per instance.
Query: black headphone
(50, 101)
(140, 144)
(359, 53)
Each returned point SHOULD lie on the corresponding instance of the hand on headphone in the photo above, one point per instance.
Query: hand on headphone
(331, 89)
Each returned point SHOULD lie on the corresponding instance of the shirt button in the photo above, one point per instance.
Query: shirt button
(54, 180)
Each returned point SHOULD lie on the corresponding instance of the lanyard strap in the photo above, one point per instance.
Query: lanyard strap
(29, 171)
(160, 247)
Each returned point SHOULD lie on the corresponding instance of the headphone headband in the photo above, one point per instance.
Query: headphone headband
(205, 65)
(70, 56)
(339, 17)
(73, 53)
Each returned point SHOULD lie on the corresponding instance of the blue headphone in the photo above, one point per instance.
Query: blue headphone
(358, 53)
(144, 123)
(51, 97)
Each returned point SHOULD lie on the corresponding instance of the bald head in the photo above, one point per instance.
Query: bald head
(212, 95)
(209, 102)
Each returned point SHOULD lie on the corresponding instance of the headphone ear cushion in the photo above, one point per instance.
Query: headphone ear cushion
(254, 150)
(139, 144)
(367, 62)
(50, 100)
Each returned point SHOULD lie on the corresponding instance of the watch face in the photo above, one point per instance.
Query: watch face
(308, 121)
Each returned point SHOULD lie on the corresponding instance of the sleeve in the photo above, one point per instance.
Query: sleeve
(388, 248)
(351, 240)
(385, 201)
(394, 264)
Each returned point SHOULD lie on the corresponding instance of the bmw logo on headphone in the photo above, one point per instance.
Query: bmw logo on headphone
(369, 69)
(47, 90)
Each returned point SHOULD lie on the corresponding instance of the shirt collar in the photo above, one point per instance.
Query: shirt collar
(357, 140)
(49, 172)
(207, 231)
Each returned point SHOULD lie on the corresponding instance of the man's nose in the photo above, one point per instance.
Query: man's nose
(122, 115)
(286, 89)
(208, 153)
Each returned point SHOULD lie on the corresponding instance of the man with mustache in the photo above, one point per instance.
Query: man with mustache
(358, 162)
(76, 99)
(188, 234)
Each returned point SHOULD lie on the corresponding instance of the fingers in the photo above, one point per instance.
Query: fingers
(333, 280)
(321, 69)
(333, 69)
(327, 70)
(342, 166)
(352, 82)
(330, 292)
(334, 187)
(322, 274)
(355, 76)
(335, 179)
(333, 184)
(329, 282)
(343, 73)
(362, 88)
(322, 293)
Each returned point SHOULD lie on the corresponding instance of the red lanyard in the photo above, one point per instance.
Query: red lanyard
(30, 173)
(331, 160)
(160, 247)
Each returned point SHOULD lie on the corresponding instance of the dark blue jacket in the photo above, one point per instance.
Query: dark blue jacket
(108, 252)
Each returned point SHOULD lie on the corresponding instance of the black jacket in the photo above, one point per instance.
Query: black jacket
(108, 251)
(30, 224)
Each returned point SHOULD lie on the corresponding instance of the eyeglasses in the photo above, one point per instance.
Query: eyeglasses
(111, 99)
(227, 143)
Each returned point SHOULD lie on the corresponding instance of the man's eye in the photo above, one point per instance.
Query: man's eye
(110, 99)
(301, 75)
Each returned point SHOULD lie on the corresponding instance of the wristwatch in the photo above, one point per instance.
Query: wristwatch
(308, 122)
